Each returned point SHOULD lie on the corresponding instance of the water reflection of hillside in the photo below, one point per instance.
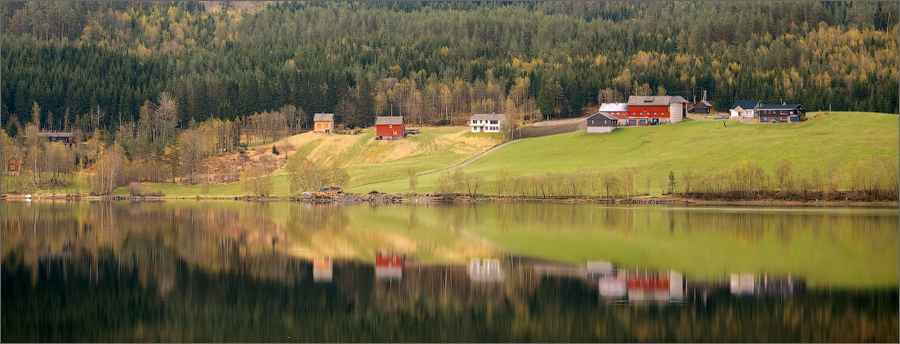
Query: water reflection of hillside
(536, 300)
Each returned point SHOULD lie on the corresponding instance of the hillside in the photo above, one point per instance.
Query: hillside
(366, 159)
(701, 146)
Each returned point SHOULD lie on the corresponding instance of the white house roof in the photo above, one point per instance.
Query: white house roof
(323, 117)
(613, 107)
(487, 117)
(655, 100)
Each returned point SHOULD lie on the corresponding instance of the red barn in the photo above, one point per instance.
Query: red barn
(389, 127)
(644, 110)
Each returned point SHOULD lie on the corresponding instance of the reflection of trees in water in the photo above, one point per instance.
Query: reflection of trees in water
(143, 232)
(747, 226)
(310, 218)
(100, 299)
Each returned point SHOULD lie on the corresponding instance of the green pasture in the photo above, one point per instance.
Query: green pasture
(701, 146)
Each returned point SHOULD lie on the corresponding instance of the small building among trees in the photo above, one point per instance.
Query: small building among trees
(323, 122)
(67, 139)
(745, 108)
(701, 108)
(601, 122)
(486, 123)
(389, 127)
(781, 113)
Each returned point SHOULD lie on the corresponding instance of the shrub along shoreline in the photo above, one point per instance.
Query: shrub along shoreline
(817, 199)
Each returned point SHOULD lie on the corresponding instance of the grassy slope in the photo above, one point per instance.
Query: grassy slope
(702, 146)
(366, 159)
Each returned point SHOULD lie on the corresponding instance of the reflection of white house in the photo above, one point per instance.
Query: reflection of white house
(599, 268)
(613, 287)
(751, 284)
(487, 270)
(323, 270)
(486, 123)
(742, 284)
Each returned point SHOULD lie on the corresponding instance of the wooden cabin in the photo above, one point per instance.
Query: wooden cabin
(781, 113)
(601, 123)
(389, 127)
(701, 108)
(67, 139)
(323, 122)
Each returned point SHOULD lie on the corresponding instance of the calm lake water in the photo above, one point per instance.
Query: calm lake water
(188, 271)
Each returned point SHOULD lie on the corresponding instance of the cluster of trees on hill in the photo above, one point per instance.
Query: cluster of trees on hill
(435, 62)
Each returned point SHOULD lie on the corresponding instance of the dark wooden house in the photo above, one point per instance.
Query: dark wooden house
(67, 139)
(781, 113)
(601, 123)
(701, 108)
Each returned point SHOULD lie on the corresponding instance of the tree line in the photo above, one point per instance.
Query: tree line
(435, 63)
(871, 179)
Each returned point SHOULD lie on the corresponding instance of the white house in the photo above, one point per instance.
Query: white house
(745, 108)
(618, 110)
(486, 123)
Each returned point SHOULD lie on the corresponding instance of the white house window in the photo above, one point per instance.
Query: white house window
(390, 126)
(395, 133)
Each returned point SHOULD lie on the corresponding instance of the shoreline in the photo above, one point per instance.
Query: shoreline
(433, 199)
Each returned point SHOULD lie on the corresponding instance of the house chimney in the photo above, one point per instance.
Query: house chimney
(704, 95)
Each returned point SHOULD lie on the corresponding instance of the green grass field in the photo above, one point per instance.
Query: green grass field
(701, 146)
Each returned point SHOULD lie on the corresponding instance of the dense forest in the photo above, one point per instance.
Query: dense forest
(153, 88)
(93, 65)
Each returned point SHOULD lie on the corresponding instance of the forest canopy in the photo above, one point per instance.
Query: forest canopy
(434, 62)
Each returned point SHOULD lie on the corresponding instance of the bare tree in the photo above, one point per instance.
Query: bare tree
(191, 152)
(687, 181)
(413, 180)
(475, 180)
(783, 173)
(502, 181)
(610, 183)
(629, 179)
(97, 115)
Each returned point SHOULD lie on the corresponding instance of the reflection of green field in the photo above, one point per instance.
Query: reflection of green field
(840, 249)
(835, 248)
(828, 246)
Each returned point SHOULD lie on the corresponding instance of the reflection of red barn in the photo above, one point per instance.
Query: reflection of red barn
(648, 283)
(388, 265)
